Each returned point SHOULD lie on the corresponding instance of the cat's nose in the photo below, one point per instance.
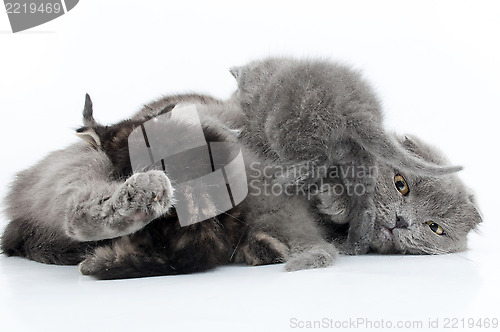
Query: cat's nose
(401, 222)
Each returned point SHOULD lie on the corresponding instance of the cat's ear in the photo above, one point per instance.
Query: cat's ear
(425, 151)
(90, 136)
(409, 142)
(235, 71)
(87, 132)
(238, 73)
(88, 113)
(167, 109)
(476, 216)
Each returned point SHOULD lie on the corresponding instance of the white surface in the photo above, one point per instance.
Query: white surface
(434, 63)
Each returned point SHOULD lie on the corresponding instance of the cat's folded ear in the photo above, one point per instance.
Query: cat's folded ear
(423, 150)
(90, 136)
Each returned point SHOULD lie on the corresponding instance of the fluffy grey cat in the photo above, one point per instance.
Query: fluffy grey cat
(323, 119)
(84, 205)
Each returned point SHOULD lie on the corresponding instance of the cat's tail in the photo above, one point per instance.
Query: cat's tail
(388, 149)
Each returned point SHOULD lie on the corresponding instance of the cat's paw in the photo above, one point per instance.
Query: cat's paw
(98, 261)
(317, 257)
(353, 249)
(119, 260)
(263, 249)
(360, 234)
(109, 261)
(89, 266)
(144, 196)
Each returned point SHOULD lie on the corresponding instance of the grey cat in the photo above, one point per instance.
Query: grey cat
(298, 111)
(83, 205)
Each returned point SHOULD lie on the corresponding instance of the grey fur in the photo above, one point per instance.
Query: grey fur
(444, 200)
(79, 205)
(301, 110)
(77, 199)
(326, 105)
(284, 229)
(115, 211)
(70, 191)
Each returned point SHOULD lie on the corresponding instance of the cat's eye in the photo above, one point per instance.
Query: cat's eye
(435, 228)
(401, 185)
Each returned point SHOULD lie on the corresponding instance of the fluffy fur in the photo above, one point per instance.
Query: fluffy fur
(297, 111)
(83, 204)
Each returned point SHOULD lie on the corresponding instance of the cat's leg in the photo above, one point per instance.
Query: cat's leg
(263, 249)
(62, 205)
(358, 171)
(318, 255)
(124, 258)
(361, 231)
(162, 248)
(103, 210)
(260, 248)
(309, 149)
(288, 233)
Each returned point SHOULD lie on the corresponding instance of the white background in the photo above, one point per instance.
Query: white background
(435, 65)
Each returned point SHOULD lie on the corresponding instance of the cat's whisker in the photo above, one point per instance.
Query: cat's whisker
(467, 259)
(223, 212)
(236, 247)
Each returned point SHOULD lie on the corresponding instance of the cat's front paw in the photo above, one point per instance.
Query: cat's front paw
(353, 249)
(263, 249)
(360, 235)
(144, 196)
(317, 257)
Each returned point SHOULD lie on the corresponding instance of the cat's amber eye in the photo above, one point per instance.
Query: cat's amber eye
(436, 228)
(401, 185)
